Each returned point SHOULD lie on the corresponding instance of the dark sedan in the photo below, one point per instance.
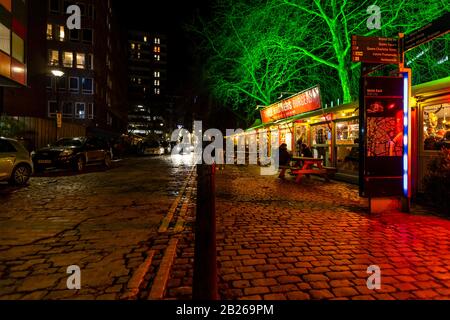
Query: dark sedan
(73, 153)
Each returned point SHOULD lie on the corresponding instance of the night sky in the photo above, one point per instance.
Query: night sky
(169, 17)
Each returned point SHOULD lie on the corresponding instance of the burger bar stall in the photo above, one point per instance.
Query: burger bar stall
(332, 133)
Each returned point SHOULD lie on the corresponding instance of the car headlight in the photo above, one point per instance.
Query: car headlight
(66, 153)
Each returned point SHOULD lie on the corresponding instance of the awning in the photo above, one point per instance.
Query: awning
(433, 92)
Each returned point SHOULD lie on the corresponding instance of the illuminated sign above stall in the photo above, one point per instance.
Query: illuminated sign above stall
(302, 102)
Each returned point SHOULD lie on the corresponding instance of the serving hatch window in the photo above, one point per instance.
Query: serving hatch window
(436, 127)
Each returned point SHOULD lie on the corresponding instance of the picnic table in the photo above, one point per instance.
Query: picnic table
(310, 166)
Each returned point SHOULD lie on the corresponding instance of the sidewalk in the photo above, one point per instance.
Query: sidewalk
(315, 240)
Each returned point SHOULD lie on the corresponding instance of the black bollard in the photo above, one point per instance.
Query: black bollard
(205, 265)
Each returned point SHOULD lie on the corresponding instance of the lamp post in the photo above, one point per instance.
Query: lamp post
(57, 74)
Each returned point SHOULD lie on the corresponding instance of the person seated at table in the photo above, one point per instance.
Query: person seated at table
(284, 158)
(307, 153)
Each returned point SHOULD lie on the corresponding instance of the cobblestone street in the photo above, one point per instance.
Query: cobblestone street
(280, 240)
(103, 221)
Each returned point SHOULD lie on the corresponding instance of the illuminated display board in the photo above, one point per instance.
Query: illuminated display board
(302, 102)
(384, 139)
(13, 39)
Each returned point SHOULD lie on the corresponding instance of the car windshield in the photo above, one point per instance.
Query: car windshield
(69, 143)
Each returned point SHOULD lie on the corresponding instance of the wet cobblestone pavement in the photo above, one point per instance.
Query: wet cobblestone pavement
(281, 240)
(103, 221)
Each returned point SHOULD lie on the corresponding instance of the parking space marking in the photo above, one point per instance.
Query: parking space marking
(138, 277)
(159, 284)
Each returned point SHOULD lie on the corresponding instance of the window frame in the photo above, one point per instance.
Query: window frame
(73, 90)
(87, 92)
(49, 103)
(77, 65)
(51, 62)
(64, 59)
(77, 104)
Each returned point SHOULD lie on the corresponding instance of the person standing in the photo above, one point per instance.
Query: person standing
(284, 159)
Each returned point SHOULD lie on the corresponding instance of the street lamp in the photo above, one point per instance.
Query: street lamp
(57, 74)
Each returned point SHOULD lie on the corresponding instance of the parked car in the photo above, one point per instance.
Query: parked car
(75, 153)
(152, 148)
(16, 166)
(167, 147)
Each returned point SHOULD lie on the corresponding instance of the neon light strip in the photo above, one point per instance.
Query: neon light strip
(405, 135)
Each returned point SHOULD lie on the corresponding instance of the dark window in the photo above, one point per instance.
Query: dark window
(54, 6)
(90, 11)
(87, 35)
(67, 4)
(6, 146)
(62, 83)
(49, 82)
(52, 108)
(68, 110)
(74, 85)
(88, 86)
(75, 35)
(82, 9)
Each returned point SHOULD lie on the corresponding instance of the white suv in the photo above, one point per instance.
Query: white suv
(16, 166)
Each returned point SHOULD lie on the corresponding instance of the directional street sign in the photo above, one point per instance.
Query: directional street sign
(375, 50)
(434, 29)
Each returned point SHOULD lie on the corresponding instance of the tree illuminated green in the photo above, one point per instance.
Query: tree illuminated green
(258, 49)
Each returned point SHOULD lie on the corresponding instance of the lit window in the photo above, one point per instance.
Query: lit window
(157, 41)
(157, 57)
(157, 74)
(49, 32)
(139, 47)
(157, 91)
(133, 46)
(139, 55)
(5, 39)
(139, 81)
(68, 59)
(62, 33)
(157, 49)
(80, 110)
(145, 38)
(81, 60)
(18, 48)
(53, 57)
(157, 83)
